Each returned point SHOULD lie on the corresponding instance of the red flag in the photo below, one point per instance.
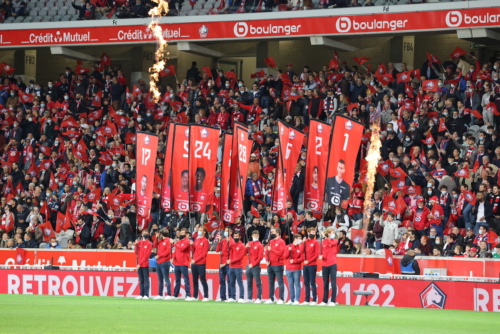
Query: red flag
(262, 74)
(96, 100)
(408, 91)
(52, 181)
(214, 225)
(464, 172)
(168, 70)
(80, 151)
(492, 108)
(227, 215)
(384, 79)
(389, 204)
(476, 114)
(433, 59)
(398, 185)
(109, 130)
(8, 70)
(384, 168)
(130, 138)
(416, 73)
(45, 210)
(105, 59)
(334, 63)
(358, 235)
(401, 125)
(80, 70)
(381, 70)
(207, 71)
(47, 230)
(254, 212)
(442, 125)
(20, 256)
(389, 257)
(270, 62)
(412, 190)
(69, 122)
(93, 196)
(351, 106)
(476, 166)
(430, 85)
(400, 205)
(429, 140)
(95, 115)
(136, 91)
(398, 173)
(469, 197)
(404, 76)
(25, 98)
(457, 53)
(360, 60)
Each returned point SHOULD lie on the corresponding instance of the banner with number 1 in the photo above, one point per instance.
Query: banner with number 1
(146, 149)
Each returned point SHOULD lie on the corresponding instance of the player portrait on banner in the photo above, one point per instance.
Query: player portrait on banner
(147, 146)
(344, 147)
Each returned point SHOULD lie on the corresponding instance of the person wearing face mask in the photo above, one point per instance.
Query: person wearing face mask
(255, 252)
(237, 251)
(295, 254)
(311, 250)
(420, 218)
(199, 263)
(181, 262)
(276, 251)
(142, 250)
(472, 101)
(53, 244)
(329, 270)
(223, 246)
(163, 257)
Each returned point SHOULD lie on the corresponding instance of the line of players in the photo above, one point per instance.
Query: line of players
(302, 256)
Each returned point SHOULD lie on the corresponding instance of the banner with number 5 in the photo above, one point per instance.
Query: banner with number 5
(203, 146)
(318, 140)
(180, 169)
(344, 147)
(146, 149)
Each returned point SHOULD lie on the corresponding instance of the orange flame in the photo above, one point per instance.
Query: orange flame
(373, 158)
(160, 55)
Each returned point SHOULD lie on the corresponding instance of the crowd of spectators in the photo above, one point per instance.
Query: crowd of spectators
(45, 178)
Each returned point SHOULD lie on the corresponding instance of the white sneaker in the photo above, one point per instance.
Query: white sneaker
(145, 297)
(322, 304)
(295, 303)
(269, 301)
(289, 303)
(158, 297)
(230, 300)
(313, 303)
(190, 299)
(280, 302)
(257, 301)
(140, 297)
(169, 298)
(205, 300)
(305, 303)
(332, 304)
(241, 301)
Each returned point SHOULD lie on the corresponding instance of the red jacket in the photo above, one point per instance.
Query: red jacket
(311, 249)
(236, 253)
(200, 250)
(256, 253)
(164, 251)
(330, 249)
(277, 252)
(223, 246)
(295, 253)
(181, 253)
(143, 250)
(420, 220)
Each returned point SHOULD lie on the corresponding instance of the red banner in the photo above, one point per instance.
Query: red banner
(344, 148)
(180, 169)
(291, 141)
(226, 214)
(472, 296)
(203, 146)
(317, 153)
(147, 147)
(398, 21)
(279, 196)
(239, 167)
(166, 199)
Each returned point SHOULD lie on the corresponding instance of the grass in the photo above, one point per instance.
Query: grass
(70, 314)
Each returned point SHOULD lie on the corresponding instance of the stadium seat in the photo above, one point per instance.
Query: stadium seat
(47, 18)
(447, 231)
(193, 12)
(74, 18)
(19, 19)
(38, 19)
(9, 20)
(28, 19)
(52, 12)
(34, 12)
(60, 3)
(40, 4)
(104, 17)
(43, 12)
(98, 16)
(199, 4)
(31, 5)
(463, 232)
(62, 11)
(66, 18)
(72, 11)
(57, 18)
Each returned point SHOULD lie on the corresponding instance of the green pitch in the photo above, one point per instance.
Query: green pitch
(61, 314)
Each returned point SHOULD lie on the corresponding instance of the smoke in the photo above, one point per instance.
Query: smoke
(161, 49)
(373, 158)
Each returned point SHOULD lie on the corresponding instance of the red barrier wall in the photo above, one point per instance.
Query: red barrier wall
(390, 293)
(354, 263)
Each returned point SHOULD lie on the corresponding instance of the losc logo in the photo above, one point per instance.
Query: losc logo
(433, 297)
(453, 18)
(343, 24)
(240, 29)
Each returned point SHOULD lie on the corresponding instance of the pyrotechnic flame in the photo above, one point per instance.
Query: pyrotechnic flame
(373, 158)
(161, 50)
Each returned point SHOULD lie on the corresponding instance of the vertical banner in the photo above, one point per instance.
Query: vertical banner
(203, 146)
(291, 141)
(226, 213)
(279, 196)
(239, 166)
(147, 147)
(317, 158)
(344, 148)
(180, 169)
(166, 199)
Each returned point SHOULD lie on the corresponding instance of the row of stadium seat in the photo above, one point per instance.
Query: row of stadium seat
(49, 18)
(52, 11)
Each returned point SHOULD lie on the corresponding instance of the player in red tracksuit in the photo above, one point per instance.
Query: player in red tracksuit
(329, 257)
(276, 251)
(295, 253)
(311, 250)
(181, 262)
(199, 263)
(256, 254)
(223, 247)
(420, 218)
(143, 250)
(237, 251)
(163, 257)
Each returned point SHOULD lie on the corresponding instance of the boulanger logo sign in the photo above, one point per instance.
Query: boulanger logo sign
(242, 29)
(453, 18)
(346, 24)
(343, 24)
